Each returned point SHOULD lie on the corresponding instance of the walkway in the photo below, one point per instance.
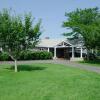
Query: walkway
(63, 62)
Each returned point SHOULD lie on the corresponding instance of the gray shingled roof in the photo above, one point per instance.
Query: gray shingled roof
(52, 42)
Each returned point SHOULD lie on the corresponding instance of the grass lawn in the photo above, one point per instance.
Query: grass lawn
(93, 63)
(48, 82)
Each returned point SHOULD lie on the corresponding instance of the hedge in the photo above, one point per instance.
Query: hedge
(28, 55)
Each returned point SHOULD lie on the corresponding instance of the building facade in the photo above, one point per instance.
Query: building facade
(62, 49)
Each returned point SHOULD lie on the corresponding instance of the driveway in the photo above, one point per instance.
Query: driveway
(63, 62)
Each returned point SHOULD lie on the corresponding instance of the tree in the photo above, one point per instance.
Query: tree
(87, 23)
(17, 34)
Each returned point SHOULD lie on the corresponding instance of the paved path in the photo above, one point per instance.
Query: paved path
(63, 62)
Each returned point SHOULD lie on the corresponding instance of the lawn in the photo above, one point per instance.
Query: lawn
(48, 82)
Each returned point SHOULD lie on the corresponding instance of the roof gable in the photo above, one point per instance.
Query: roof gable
(53, 43)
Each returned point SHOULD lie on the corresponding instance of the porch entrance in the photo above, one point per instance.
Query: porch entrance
(62, 53)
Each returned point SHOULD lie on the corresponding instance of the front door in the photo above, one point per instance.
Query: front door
(62, 53)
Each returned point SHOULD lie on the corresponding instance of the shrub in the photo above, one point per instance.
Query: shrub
(28, 55)
(41, 55)
(25, 55)
(90, 57)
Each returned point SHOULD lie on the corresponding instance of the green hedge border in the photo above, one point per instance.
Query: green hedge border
(28, 55)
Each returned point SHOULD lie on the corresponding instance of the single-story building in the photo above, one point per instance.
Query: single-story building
(62, 48)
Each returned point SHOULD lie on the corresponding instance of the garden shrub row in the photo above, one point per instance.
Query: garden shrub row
(28, 55)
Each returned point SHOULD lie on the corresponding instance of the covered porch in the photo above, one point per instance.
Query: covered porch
(66, 51)
(61, 49)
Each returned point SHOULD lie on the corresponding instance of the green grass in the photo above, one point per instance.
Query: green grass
(48, 82)
(93, 63)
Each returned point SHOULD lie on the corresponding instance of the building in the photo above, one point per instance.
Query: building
(62, 48)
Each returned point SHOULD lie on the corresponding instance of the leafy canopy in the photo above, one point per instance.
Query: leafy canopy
(87, 23)
(17, 33)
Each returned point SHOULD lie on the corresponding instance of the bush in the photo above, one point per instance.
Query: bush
(45, 55)
(90, 57)
(41, 55)
(28, 55)
(37, 55)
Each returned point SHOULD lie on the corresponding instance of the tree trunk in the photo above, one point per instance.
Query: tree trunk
(16, 70)
(16, 66)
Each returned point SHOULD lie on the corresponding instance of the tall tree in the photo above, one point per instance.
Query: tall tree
(17, 34)
(87, 23)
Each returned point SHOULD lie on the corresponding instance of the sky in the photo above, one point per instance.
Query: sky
(52, 12)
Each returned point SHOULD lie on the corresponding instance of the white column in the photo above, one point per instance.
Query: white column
(72, 52)
(55, 53)
(48, 49)
(0, 49)
(81, 52)
(63, 44)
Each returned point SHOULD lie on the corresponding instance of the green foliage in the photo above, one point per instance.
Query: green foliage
(4, 57)
(35, 55)
(28, 55)
(87, 23)
(91, 57)
(45, 55)
(17, 33)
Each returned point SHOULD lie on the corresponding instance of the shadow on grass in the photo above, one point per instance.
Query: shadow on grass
(27, 68)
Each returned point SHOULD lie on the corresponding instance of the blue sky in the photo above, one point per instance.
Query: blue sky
(50, 11)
